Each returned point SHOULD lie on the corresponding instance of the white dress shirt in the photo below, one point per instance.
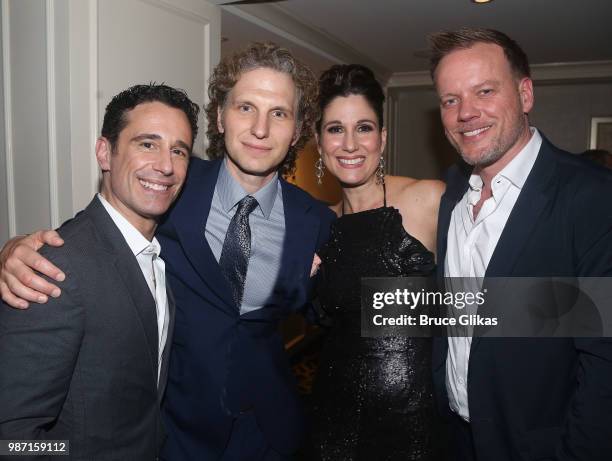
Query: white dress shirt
(471, 243)
(153, 270)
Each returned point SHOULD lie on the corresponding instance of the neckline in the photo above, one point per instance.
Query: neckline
(368, 212)
(379, 208)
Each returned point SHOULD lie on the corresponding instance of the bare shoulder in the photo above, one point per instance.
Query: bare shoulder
(418, 202)
(410, 191)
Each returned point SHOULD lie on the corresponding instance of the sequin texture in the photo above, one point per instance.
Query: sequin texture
(372, 397)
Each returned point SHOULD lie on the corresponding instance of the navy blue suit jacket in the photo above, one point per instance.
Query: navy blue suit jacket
(541, 399)
(223, 363)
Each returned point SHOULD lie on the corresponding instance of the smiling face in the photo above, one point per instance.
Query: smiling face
(483, 104)
(258, 121)
(351, 140)
(144, 173)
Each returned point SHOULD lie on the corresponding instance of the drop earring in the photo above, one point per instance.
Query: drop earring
(319, 170)
(380, 171)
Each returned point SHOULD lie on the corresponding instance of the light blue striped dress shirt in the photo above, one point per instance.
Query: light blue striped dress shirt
(267, 223)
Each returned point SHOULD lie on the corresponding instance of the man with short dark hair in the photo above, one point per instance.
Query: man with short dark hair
(521, 208)
(239, 246)
(91, 366)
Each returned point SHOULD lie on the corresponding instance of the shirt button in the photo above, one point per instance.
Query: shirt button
(461, 381)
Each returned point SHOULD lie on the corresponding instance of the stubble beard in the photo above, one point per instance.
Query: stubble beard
(498, 147)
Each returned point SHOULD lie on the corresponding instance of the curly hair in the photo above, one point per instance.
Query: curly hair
(256, 56)
(116, 110)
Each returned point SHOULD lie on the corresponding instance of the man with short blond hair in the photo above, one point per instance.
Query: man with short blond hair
(520, 207)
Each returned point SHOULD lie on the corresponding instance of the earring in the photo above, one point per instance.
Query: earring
(319, 170)
(380, 171)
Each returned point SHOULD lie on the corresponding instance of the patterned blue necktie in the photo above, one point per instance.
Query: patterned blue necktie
(234, 258)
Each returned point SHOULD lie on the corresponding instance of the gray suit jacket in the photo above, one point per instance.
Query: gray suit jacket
(83, 366)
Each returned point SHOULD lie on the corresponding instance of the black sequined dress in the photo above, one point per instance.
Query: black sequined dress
(372, 397)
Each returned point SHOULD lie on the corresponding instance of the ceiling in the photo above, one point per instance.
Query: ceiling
(236, 32)
(390, 35)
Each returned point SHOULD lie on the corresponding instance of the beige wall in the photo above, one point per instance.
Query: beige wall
(417, 146)
(562, 111)
(4, 229)
(62, 61)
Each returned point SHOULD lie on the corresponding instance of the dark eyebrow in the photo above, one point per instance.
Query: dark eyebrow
(338, 122)
(142, 137)
(367, 120)
(184, 145)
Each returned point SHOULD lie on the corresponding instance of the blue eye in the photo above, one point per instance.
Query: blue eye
(334, 129)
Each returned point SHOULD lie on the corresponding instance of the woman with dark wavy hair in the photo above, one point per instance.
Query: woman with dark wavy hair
(372, 396)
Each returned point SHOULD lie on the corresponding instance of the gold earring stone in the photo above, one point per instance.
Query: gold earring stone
(319, 170)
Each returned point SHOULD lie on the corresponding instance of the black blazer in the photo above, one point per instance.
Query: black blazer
(541, 399)
(83, 366)
(223, 363)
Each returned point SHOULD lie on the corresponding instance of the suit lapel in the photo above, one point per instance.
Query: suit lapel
(524, 216)
(189, 219)
(532, 201)
(163, 374)
(134, 283)
(301, 230)
(447, 204)
(457, 184)
(455, 188)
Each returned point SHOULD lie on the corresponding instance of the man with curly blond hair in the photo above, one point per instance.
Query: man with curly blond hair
(239, 246)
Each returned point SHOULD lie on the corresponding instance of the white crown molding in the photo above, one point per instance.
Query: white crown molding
(8, 119)
(541, 73)
(403, 79)
(585, 70)
(189, 9)
(277, 20)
